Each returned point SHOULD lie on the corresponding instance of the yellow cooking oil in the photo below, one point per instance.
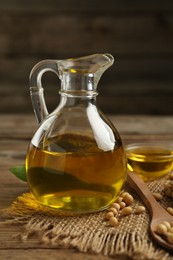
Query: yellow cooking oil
(150, 162)
(76, 176)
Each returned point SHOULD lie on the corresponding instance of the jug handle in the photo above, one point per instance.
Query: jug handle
(36, 89)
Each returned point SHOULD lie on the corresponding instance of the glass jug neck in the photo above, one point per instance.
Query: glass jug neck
(78, 84)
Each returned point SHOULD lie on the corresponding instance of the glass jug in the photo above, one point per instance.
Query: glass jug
(75, 161)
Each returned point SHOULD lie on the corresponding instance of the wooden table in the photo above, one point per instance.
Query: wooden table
(15, 134)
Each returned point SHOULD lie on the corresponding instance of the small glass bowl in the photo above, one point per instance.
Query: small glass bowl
(149, 160)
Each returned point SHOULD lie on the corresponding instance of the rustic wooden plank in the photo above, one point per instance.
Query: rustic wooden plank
(122, 88)
(126, 98)
(16, 70)
(123, 34)
(153, 105)
(17, 127)
(145, 57)
(141, 79)
(22, 126)
(59, 254)
(77, 5)
(13, 152)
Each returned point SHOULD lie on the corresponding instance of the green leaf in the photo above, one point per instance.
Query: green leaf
(19, 172)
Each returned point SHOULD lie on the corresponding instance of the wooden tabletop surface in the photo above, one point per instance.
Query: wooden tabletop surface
(15, 134)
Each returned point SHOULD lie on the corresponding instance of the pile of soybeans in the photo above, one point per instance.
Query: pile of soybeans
(123, 207)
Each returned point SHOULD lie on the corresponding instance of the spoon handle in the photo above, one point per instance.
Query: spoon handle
(145, 194)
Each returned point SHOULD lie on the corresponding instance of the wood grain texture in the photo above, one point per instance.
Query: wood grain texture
(41, 254)
(139, 34)
(77, 5)
(85, 33)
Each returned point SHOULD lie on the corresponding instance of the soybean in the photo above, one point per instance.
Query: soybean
(115, 205)
(122, 204)
(157, 196)
(139, 210)
(170, 210)
(115, 212)
(126, 211)
(128, 199)
(113, 221)
(119, 199)
(124, 194)
(167, 224)
(109, 215)
(161, 229)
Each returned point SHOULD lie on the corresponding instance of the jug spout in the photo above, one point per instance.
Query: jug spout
(94, 65)
(80, 76)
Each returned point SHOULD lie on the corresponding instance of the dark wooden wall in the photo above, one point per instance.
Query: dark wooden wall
(138, 33)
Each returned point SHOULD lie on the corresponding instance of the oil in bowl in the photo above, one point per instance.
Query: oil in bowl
(150, 161)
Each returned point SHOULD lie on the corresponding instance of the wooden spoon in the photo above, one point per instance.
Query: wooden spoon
(158, 214)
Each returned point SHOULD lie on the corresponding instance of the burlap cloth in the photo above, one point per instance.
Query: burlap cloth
(91, 232)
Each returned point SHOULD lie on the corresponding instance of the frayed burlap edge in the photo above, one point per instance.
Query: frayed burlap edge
(87, 233)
